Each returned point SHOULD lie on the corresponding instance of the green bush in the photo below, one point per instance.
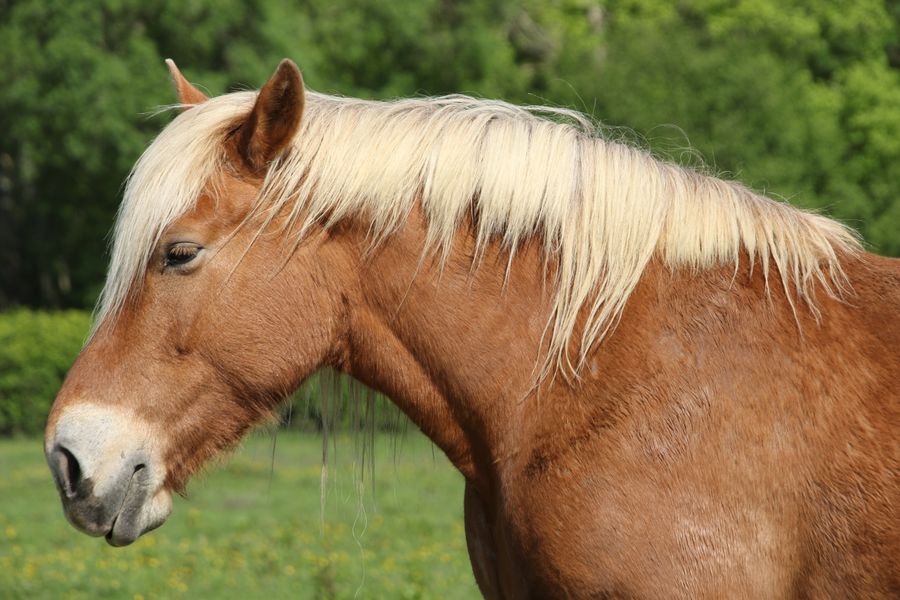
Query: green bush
(36, 350)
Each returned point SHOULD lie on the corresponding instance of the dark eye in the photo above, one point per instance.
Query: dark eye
(181, 254)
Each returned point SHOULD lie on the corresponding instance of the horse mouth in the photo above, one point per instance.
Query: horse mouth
(124, 537)
(109, 535)
(127, 526)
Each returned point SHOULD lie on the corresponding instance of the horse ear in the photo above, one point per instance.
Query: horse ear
(275, 118)
(188, 95)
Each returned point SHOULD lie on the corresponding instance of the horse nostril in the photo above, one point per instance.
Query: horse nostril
(68, 471)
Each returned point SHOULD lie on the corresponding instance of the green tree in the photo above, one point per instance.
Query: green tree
(78, 84)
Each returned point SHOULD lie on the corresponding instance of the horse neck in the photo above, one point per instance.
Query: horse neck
(455, 345)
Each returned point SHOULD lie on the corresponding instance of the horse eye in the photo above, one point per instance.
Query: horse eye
(181, 254)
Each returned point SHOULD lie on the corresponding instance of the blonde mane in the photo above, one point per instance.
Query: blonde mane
(602, 209)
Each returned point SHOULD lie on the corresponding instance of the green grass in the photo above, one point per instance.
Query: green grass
(241, 535)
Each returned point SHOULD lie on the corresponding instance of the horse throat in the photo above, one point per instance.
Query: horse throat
(455, 344)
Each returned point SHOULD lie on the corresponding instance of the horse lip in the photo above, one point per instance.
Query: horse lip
(118, 542)
(132, 501)
(112, 526)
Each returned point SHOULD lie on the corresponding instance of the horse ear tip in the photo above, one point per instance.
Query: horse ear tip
(174, 71)
(288, 66)
(188, 95)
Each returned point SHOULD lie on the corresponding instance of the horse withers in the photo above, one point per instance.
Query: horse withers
(656, 383)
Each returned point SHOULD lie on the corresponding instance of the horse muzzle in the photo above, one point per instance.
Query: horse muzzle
(107, 478)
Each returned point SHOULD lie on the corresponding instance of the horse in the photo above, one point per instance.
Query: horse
(655, 382)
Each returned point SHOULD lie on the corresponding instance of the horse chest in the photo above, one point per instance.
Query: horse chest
(594, 528)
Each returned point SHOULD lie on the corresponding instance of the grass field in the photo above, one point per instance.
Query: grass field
(243, 534)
